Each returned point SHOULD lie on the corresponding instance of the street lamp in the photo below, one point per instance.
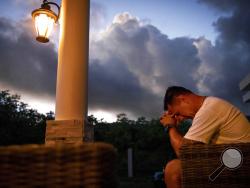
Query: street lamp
(44, 19)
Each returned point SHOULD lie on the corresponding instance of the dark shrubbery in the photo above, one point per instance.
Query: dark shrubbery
(18, 124)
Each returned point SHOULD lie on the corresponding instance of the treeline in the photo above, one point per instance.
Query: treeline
(150, 143)
(18, 123)
(147, 138)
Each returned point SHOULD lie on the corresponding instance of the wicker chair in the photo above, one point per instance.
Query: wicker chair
(88, 165)
(200, 161)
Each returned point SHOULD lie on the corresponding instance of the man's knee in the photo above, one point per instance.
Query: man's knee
(172, 172)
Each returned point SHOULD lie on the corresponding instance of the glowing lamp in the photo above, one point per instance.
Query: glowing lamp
(44, 19)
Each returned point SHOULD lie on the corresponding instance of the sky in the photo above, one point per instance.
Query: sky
(137, 49)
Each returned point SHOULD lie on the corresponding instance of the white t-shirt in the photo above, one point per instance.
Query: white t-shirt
(218, 122)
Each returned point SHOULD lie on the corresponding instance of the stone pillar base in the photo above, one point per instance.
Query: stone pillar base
(64, 131)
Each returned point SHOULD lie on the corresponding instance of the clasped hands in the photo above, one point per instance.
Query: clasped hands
(168, 119)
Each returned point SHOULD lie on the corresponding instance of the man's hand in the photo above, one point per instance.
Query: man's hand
(166, 119)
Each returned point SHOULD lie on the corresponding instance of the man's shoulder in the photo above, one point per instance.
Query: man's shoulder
(215, 99)
(211, 100)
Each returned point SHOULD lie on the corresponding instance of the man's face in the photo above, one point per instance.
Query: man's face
(181, 108)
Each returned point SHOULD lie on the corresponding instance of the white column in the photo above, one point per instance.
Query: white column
(72, 73)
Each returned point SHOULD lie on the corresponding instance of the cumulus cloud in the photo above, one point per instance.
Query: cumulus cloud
(132, 63)
(25, 64)
(231, 49)
(156, 62)
(233, 28)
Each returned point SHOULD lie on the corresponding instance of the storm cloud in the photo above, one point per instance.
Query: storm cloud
(132, 63)
(25, 64)
(231, 49)
(158, 62)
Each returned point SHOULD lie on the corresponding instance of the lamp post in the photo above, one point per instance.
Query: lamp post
(72, 71)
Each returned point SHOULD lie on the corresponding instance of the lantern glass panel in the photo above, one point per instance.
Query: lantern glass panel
(44, 25)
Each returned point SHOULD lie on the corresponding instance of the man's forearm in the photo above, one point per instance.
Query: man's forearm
(176, 140)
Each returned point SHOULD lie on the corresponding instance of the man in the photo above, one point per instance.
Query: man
(214, 121)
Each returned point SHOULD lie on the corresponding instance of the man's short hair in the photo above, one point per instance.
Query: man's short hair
(173, 92)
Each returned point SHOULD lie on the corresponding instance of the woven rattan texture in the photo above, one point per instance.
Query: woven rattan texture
(199, 161)
(88, 165)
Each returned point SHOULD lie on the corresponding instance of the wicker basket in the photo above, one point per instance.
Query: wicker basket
(88, 165)
(199, 162)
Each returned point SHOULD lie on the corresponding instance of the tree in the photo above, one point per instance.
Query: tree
(18, 124)
(147, 138)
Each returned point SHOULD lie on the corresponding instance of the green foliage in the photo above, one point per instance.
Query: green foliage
(150, 143)
(18, 124)
(147, 138)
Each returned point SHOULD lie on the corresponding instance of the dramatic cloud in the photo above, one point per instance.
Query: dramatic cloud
(25, 64)
(231, 50)
(132, 63)
(157, 62)
(234, 28)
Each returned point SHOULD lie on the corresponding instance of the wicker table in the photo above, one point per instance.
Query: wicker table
(88, 165)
